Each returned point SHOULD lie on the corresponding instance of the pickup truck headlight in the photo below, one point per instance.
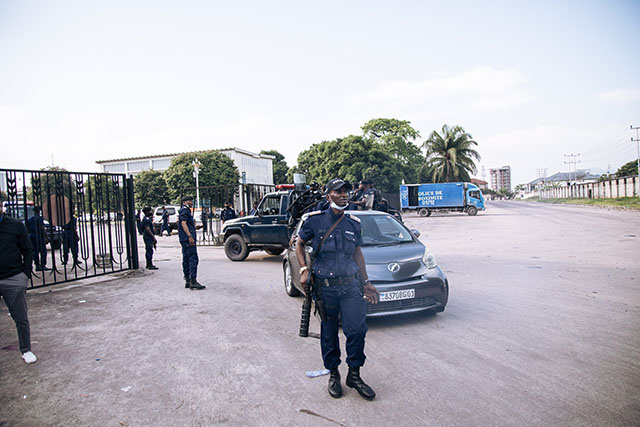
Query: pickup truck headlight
(429, 259)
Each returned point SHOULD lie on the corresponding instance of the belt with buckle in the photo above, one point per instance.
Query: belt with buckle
(337, 281)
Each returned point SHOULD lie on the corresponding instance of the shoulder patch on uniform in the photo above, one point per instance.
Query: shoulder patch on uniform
(308, 214)
(353, 217)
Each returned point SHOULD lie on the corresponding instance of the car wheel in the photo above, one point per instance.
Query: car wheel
(424, 212)
(235, 248)
(472, 210)
(289, 287)
(274, 251)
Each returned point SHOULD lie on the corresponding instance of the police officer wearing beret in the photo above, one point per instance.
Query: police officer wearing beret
(149, 239)
(337, 272)
(187, 238)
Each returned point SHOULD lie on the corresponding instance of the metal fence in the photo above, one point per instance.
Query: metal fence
(80, 224)
(211, 202)
(618, 187)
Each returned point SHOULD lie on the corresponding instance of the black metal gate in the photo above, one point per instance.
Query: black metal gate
(80, 224)
(211, 201)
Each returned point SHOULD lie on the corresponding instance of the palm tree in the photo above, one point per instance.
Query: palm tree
(449, 155)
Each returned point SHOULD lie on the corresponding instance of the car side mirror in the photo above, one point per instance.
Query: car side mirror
(415, 232)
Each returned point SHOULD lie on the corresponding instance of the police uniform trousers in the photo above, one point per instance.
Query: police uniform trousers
(165, 226)
(148, 248)
(189, 260)
(14, 292)
(347, 302)
(69, 242)
(39, 249)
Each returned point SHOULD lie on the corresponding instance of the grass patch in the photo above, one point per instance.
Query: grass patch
(626, 202)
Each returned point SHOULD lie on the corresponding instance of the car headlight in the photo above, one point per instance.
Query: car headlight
(429, 259)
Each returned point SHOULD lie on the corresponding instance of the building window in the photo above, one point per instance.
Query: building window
(137, 166)
(114, 168)
(161, 164)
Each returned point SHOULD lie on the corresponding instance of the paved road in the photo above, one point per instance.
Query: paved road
(541, 329)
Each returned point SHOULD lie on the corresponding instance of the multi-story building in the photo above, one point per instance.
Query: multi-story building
(254, 168)
(500, 178)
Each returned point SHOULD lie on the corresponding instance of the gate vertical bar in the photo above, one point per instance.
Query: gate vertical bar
(132, 241)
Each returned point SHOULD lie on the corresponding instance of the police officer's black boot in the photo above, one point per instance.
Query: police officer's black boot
(150, 266)
(354, 381)
(187, 282)
(335, 388)
(193, 284)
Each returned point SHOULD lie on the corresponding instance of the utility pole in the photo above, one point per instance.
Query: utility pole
(637, 140)
(572, 160)
(542, 173)
(196, 167)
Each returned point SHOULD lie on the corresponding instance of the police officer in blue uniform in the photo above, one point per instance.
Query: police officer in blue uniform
(38, 237)
(338, 273)
(228, 212)
(70, 241)
(187, 238)
(165, 222)
(148, 237)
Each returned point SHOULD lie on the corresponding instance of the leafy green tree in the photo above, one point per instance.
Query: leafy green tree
(280, 167)
(353, 158)
(396, 138)
(215, 169)
(505, 193)
(628, 169)
(450, 154)
(150, 189)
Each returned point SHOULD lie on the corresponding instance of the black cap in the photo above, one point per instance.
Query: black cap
(147, 211)
(336, 184)
(185, 198)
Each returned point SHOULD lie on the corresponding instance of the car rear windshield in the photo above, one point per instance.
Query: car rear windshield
(383, 229)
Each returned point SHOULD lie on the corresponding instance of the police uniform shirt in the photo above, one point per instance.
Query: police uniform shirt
(146, 222)
(336, 255)
(35, 224)
(71, 225)
(185, 215)
(165, 216)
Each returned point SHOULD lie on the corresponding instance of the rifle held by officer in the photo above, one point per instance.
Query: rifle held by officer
(306, 309)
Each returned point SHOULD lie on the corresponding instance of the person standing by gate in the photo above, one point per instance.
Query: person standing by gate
(70, 241)
(204, 216)
(165, 222)
(228, 212)
(16, 256)
(187, 238)
(148, 237)
(38, 237)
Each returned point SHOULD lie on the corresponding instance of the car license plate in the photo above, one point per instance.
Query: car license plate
(397, 295)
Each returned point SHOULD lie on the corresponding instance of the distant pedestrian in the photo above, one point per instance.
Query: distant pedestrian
(149, 239)
(70, 240)
(39, 239)
(16, 257)
(187, 238)
(165, 222)
(228, 212)
(254, 211)
(204, 217)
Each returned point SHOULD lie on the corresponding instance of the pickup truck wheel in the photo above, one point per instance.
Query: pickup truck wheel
(472, 210)
(289, 287)
(424, 212)
(235, 248)
(274, 251)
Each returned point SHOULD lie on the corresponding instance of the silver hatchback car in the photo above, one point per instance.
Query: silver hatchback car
(401, 268)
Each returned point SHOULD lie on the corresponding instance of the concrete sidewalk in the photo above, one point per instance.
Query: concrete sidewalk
(184, 357)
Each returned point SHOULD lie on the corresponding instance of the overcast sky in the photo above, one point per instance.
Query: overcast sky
(82, 81)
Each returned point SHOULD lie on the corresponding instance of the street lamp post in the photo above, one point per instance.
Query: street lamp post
(196, 167)
(638, 147)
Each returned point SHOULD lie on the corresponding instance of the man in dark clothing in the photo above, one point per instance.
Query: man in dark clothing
(38, 237)
(138, 222)
(16, 257)
(148, 237)
(187, 238)
(70, 241)
(165, 222)
(337, 272)
(204, 216)
(228, 212)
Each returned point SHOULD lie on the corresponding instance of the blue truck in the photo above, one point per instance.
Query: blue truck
(446, 196)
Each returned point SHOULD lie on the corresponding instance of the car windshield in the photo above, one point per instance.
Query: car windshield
(383, 230)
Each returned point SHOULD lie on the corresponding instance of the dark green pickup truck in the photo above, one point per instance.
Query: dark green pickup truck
(269, 230)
